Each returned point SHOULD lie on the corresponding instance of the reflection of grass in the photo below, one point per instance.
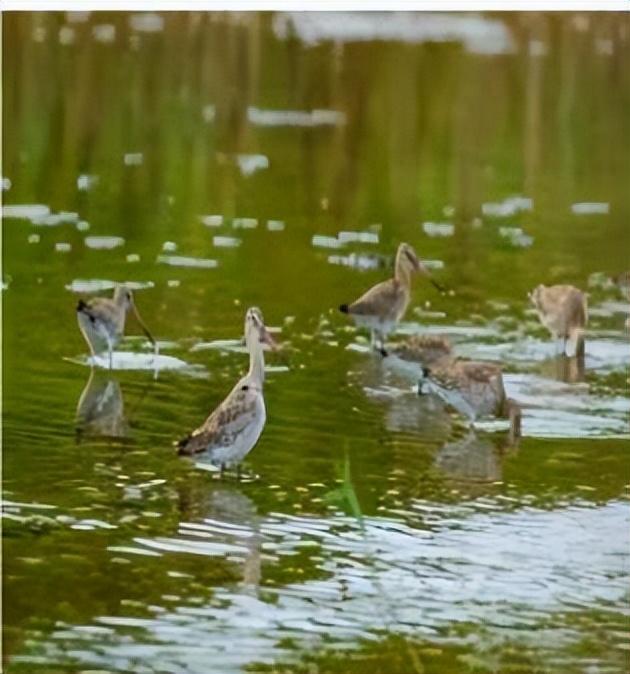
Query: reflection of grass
(345, 497)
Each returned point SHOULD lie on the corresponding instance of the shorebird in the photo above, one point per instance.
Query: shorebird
(102, 320)
(563, 310)
(233, 429)
(473, 388)
(384, 304)
(427, 350)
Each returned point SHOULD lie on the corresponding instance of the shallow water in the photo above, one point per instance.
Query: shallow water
(215, 162)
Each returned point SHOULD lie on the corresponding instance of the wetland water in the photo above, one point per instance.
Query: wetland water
(222, 161)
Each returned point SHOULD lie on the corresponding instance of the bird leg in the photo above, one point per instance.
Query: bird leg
(238, 472)
(381, 344)
(110, 350)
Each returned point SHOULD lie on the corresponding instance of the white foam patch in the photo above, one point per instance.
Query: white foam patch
(25, 211)
(146, 22)
(94, 285)
(356, 261)
(211, 220)
(322, 241)
(248, 164)
(104, 242)
(260, 117)
(226, 242)
(182, 261)
(85, 182)
(127, 360)
(478, 34)
(439, 229)
(590, 208)
(104, 32)
(516, 236)
(508, 207)
(357, 237)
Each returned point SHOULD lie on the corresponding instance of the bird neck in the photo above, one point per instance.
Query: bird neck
(256, 363)
(119, 297)
(402, 273)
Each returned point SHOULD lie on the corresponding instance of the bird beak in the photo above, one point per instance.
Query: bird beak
(423, 269)
(266, 338)
(142, 324)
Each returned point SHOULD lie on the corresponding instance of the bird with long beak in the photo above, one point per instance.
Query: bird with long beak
(102, 320)
(233, 429)
(474, 388)
(384, 304)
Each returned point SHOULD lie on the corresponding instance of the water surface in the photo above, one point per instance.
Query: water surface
(215, 162)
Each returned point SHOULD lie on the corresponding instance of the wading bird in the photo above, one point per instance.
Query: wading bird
(383, 305)
(563, 310)
(473, 388)
(233, 429)
(102, 320)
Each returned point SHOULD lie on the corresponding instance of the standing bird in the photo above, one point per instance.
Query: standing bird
(384, 304)
(233, 429)
(102, 320)
(563, 310)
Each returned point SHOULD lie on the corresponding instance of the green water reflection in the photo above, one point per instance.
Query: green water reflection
(236, 139)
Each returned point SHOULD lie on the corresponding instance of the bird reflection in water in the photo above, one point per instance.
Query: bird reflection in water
(100, 410)
(564, 368)
(222, 514)
(476, 459)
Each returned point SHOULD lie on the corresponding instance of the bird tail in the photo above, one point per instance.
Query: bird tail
(344, 309)
(182, 445)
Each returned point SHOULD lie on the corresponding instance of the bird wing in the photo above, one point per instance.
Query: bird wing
(221, 429)
(98, 308)
(378, 300)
